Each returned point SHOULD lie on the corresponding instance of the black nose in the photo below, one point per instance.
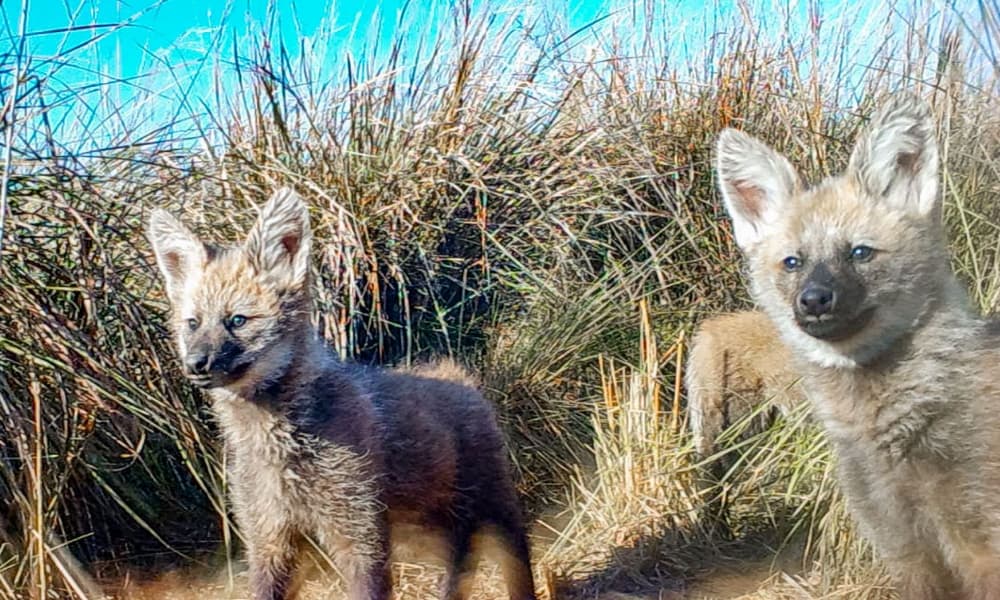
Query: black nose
(817, 300)
(197, 363)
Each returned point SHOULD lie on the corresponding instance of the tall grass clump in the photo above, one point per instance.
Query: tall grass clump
(533, 198)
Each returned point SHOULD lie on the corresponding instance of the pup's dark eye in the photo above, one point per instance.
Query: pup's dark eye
(237, 321)
(861, 253)
(192, 324)
(792, 263)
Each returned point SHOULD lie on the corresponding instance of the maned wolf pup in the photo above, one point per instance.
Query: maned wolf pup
(854, 273)
(736, 364)
(321, 448)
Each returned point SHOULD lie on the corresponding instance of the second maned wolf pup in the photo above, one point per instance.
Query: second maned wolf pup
(901, 372)
(321, 448)
(737, 363)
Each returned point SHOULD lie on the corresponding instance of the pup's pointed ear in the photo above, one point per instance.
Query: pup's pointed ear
(178, 251)
(278, 245)
(896, 159)
(756, 183)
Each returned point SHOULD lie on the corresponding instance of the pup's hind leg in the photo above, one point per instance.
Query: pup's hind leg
(504, 513)
(460, 562)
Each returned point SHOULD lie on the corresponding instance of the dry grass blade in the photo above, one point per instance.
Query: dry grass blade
(534, 198)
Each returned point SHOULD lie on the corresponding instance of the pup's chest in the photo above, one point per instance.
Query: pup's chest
(262, 453)
(276, 471)
(263, 467)
(906, 415)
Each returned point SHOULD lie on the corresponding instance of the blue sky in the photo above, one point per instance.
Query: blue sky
(145, 33)
(152, 28)
(169, 49)
(160, 46)
(165, 47)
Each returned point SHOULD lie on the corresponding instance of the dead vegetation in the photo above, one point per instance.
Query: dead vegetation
(535, 200)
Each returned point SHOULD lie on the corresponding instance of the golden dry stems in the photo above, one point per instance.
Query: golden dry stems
(543, 209)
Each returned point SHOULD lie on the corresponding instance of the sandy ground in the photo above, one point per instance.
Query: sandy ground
(418, 574)
(419, 580)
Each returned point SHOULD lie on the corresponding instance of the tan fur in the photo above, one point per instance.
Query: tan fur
(445, 369)
(320, 448)
(901, 372)
(737, 363)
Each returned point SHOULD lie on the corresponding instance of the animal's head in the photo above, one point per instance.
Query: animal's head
(846, 267)
(237, 311)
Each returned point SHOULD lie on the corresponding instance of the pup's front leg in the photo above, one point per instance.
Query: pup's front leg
(273, 556)
(360, 548)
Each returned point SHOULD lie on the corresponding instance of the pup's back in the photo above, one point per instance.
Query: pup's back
(446, 463)
(436, 428)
